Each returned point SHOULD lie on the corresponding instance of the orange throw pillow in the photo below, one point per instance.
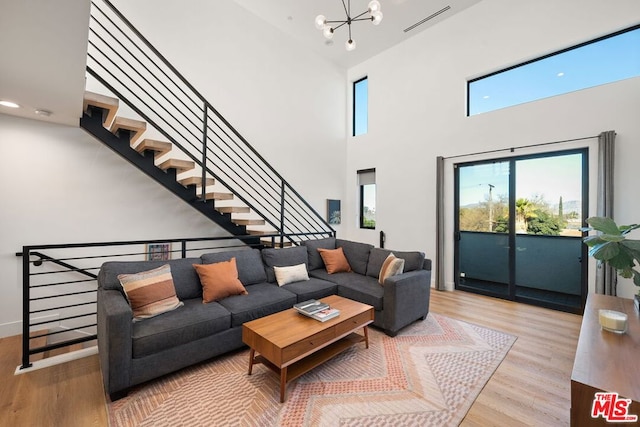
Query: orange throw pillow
(334, 260)
(219, 280)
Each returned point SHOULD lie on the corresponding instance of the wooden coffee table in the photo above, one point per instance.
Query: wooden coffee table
(292, 344)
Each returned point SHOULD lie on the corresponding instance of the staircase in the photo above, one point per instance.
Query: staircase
(126, 137)
(199, 156)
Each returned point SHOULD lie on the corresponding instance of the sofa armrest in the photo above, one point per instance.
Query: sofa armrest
(114, 339)
(406, 299)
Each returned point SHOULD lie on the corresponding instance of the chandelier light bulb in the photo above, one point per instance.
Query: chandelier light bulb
(320, 22)
(350, 45)
(328, 27)
(376, 17)
(328, 32)
(374, 6)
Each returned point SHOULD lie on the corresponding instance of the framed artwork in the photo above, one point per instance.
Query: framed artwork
(158, 251)
(333, 211)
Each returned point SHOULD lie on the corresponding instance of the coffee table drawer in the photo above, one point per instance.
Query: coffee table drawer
(308, 344)
(353, 323)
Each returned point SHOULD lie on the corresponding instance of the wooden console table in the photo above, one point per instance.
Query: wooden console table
(605, 361)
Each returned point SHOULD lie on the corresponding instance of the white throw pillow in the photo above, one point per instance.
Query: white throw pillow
(390, 267)
(294, 273)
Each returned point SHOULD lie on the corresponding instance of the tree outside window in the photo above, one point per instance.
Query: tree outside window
(367, 185)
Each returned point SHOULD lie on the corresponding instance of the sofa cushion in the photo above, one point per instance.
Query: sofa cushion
(249, 262)
(150, 292)
(186, 324)
(357, 254)
(185, 278)
(390, 267)
(355, 286)
(315, 261)
(312, 289)
(291, 274)
(219, 280)
(263, 299)
(334, 260)
(412, 260)
(283, 258)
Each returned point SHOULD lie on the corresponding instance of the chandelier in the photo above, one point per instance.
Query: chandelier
(328, 27)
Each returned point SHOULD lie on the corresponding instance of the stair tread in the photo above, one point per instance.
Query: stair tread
(196, 180)
(249, 221)
(137, 127)
(177, 164)
(159, 147)
(218, 196)
(259, 232)
(267, 242)
(102, 101)
(233, 209)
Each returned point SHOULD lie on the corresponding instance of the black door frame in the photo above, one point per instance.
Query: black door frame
(512, 226)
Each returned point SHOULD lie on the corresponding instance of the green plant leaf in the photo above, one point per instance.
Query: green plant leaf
(622, 261)
(604, 224)
(604, 251)
(612, 237)
(636, 278)
(592, 240)
(626, 229)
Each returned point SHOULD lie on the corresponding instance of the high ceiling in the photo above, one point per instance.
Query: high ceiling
(43, 43)
(296, 19)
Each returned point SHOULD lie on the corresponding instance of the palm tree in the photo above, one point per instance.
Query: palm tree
(525, 210)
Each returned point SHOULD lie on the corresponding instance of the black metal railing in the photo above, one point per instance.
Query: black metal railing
(129, 66)
(60, 283)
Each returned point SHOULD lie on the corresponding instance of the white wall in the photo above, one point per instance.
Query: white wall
(417, 95)
(287, 102)
(59, 185)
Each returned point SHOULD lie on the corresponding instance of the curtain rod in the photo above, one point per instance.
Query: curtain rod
(512, 149)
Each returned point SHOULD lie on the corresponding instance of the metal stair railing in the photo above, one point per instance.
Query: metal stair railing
(129, 66)
(59, 287)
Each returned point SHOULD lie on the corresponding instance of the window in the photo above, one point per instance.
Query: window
(604, 60)
(367, 185)
(360, 107)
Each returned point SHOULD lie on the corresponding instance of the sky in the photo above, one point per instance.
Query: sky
(550, 177)
(609, 60)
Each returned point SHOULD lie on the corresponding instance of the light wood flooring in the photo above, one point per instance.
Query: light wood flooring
(530, 387)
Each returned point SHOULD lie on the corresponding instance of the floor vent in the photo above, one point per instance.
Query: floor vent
(441, 11)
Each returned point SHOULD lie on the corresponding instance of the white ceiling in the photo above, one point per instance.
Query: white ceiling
(43, 43)
(296, 19)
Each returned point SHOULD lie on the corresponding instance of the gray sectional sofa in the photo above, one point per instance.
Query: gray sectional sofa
(134, 352)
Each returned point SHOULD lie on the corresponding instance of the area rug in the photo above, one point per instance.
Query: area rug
(428, 375)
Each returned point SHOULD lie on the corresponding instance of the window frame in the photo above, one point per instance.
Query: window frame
(540, 58)
(354, 107)
(361, 197)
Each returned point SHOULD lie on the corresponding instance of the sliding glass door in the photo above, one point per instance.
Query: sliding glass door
(518, 226)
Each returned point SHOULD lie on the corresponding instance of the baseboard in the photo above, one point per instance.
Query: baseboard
(57, 360)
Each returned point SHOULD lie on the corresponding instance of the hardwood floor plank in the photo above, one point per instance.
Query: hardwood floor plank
(531, 387)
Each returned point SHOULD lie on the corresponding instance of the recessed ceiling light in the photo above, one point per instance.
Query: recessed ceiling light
(43, 113)
(9, 104)
(486, 97)
(560, 74)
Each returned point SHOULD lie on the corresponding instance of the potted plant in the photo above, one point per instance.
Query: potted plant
(613, 247)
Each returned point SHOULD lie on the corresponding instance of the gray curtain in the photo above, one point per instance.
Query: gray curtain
(440, 285)
(606, 278)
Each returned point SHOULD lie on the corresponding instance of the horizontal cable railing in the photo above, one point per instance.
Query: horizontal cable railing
(60, 283)
(127, 64)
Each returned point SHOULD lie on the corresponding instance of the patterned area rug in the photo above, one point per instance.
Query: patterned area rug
(428, 375)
